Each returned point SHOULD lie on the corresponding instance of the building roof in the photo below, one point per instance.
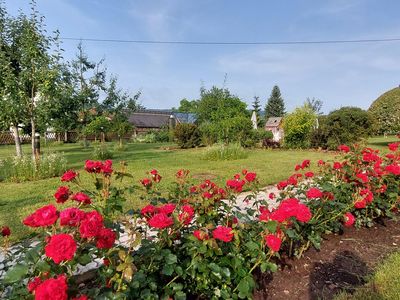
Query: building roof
(273, 122)
(149, 120)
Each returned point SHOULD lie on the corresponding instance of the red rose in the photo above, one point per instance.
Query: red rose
(182, 174)
(61, 247)
(271, 196)
(186, 215)
(313, 193)
(297, 167)
(167, 208)
(321, 162)
(82, 198)
(160, 220)
(146, 182)
(329, 195)
(250, 177)
(344, 148)
(105, 238)
(303, 213)
(71, 216)
(368, 195)
(5, 231)
(156, 178)
(305, 164)
(93, 166)
(235, 184)
(153, 172)
(349, 219)
(106, 167)
(106, 262)
(309, 174)
(360, 204)
(62, 194)
(393, 147)
(149, 210)
(393, 169)
(273, 242)
(292, 180)
(363, 177)
(33, 284)
(91, 224)
(52, 289)
(45, 216)
(223, 233)
(281, 185)
(69, 175)
(200, 235)
(337, 165)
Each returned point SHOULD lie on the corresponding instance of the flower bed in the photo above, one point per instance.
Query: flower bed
(197, 241)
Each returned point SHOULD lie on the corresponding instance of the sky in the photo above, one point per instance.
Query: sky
(338, 74)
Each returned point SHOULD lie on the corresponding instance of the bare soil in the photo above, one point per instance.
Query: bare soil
(342, 264)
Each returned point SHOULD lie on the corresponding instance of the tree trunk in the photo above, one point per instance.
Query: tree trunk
(33, 124)
(65, 136)
(18, 147)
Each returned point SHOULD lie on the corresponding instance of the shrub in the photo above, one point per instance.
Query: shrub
(18, 169)
(386, 112)
(257, 137)
(162, 136)
(187, 135)
(298, 127)
(343, 126)
(225, 152)
(101, 151)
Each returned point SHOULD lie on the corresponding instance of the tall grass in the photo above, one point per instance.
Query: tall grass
(225, 152)
(19, 169)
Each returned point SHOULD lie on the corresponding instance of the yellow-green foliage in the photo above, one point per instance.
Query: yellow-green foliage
(386, 111)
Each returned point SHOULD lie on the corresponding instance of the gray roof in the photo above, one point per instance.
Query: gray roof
(273, 122)
(149, 120)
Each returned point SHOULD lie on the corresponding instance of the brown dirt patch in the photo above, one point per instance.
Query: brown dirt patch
(342, 264)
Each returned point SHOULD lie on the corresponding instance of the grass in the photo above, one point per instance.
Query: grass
(383, 285)
(17, 200)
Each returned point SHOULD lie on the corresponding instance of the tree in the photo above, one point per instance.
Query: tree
(187, 106)
(29, 69)
(298, 127)
(219, 104)
(275, 106)
(315, 105)
(257, 108)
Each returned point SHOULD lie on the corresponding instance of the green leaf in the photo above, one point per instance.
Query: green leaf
(271, 226)
(84, 259)
(243, 288)
(180, 295)
(43, 266)
(171, 259)
(16, 273)
(167, 270)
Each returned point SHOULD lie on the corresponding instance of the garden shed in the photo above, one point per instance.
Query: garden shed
(274, 124)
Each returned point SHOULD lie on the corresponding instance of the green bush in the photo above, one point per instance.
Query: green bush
(343, 126)
(298, 127)
(19, 169)
(386, 111)
(225, 152)
(256, 137)
(102, 152)
(187, 135)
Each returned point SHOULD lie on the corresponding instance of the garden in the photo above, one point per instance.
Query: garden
(220, 207)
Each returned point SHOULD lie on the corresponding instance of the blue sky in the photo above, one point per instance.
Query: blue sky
(338, 74)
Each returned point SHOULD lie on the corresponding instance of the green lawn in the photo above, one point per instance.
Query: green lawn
(19, 199)
(383, 285)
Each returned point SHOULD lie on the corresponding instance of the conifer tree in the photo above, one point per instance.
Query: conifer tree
(275, 106)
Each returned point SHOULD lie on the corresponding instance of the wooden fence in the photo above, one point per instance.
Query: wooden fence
(7, 138)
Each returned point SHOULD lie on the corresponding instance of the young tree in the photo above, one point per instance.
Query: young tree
(257, 108)
(188, 106)
(275, 106)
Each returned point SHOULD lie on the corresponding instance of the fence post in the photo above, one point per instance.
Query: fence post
(37, 146)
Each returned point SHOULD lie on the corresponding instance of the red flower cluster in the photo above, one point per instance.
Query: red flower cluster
(186, 214)
(91, 224)
(146, 182)
(364, 198)
(209, 190)
(288, 208)
(155, 176)
(393, 169)
(201, 235)
(5, 231)
(69, 176)
(62, 194)
(82, 198)
(235, 184)
(394, 146)
(273, 242)
(71, 216)
(160, 221)
(45, 216)
(223, 233)
(105, 238)
(52, 289)
(349, 219)
(344, 148)
(314, 193)
(105, 167)
(61, 247)
(250, 176)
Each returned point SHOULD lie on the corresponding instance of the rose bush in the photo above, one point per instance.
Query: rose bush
(197, 241)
